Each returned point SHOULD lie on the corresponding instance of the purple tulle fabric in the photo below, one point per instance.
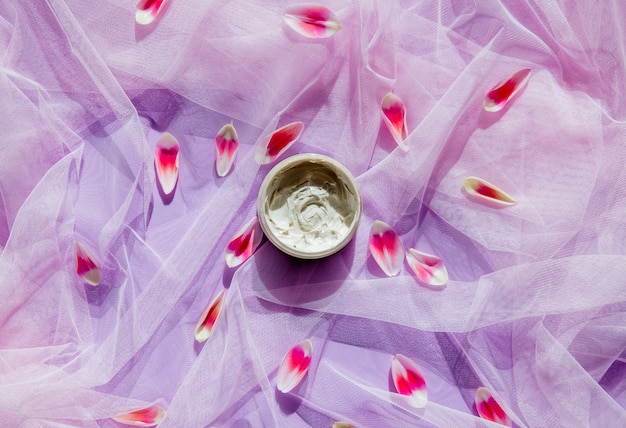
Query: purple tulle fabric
(535, 309)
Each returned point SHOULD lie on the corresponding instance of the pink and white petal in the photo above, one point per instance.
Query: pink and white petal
(245, 242)
(386, 248)
(428, 269)
(498, 97)
(87, 268)
(276, 144)
(409, 380)
(489, 409)
(148, 10)
(311, 20)
(394, 116)
(487, 193)
(294, 366)
(209, 318)
(226, 147)
(166, 158)
(147, 417)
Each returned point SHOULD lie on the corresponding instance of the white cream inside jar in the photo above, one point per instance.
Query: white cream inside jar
(309, 206)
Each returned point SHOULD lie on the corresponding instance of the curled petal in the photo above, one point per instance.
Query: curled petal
(244, 243)
(386, 248)
(148, 10)
(209, 318)
(275, 145)
(226, 146)
(294, 366)
(409, 380)
(489, 409)
(312, 20)
(86, 267)
(394, 116)
(167, 159)
(148, 417)
(429, 270)
(486, 192)
(503, 92)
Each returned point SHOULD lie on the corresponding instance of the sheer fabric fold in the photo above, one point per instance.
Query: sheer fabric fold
(535, 304)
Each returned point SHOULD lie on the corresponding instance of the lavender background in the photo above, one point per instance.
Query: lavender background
(536, 306)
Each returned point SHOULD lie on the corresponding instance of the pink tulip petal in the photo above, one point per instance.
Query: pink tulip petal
(148, 417)
(486, 192)
(294, 366)
(409, 380)
(489, 409)
(394, 116)
(275, 145)
(386, 248)
(503, 92)
(312, 20)
(148, 10)
(166, 158)
(86, 267)
(245, 242)
(226, 146)
(209, 318)
(428, 269)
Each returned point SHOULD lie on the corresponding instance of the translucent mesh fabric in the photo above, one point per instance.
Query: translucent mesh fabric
(536, 305)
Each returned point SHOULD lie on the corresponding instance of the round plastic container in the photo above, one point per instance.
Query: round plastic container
(309, 206)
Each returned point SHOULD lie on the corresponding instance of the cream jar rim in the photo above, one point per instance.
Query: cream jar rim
(294, 160)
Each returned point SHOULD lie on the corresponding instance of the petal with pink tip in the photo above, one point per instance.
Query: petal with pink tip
(148, 10)
(86, 267)
(489, 409)
(209, 318)
(394, 116)
(386, 248)
(166, 158)
(148, 417)
(276, 144)
(294, 366)
(409, 380)
(503, 92)
(485, 192)
(428, 269)
(226, 146)
(312, 20)
(244, 243)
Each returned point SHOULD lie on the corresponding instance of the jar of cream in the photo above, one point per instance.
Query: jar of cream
(309, 206)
